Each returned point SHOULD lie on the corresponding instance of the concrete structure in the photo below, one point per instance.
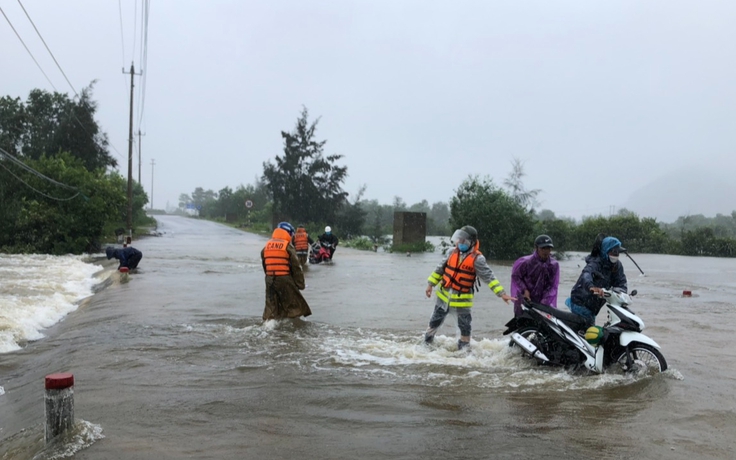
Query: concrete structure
(59, 404)
(409, 227)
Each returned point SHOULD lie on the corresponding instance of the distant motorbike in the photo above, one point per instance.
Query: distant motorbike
(556, 337)
(320, 253)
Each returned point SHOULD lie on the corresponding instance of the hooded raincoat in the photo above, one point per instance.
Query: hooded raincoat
(283, 299)
(600, 272)
(540, 277)
(129, 256)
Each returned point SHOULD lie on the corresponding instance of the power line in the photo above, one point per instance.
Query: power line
(33, 171)
(144, 59)
(47, 48)
(44, 73)
(29, 51)
(36, 190)
(10, 157)
(122, 36)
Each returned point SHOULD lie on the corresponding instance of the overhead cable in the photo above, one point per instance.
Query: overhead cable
(47, 48)
(15, 160)
(44, 73)
(29, 51)
(33, 171)
(122, 36)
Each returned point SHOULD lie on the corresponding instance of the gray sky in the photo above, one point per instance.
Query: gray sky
(415, 94)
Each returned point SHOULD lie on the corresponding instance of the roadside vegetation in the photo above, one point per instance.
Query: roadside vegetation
(505, 216)
(61, 193)
(59, 190)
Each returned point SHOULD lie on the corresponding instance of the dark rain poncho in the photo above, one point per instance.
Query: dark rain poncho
(600, 272)
(283, 299)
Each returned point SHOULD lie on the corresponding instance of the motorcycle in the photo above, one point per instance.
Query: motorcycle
(555, 337)
(320, 253)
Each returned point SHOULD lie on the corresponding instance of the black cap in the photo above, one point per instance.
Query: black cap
(543, 241)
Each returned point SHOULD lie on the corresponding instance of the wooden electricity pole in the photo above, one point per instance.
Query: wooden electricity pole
(130, 155)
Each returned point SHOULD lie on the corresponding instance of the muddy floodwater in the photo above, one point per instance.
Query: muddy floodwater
(177, 363)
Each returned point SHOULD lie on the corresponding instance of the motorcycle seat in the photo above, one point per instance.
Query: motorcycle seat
(576, 322)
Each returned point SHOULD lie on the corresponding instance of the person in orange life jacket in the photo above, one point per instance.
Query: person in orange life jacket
(456, 276)
(284, 276)
(329, 240)
(302, 242)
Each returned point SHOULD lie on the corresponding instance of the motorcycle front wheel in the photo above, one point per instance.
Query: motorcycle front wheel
(533, 335)
(646, 360)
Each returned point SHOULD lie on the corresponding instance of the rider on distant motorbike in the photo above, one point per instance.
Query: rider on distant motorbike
(328, 240)
(602, 270)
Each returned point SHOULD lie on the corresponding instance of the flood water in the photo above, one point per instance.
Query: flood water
(177, 363)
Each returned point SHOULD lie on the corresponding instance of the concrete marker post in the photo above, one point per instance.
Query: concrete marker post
(59, 404)
(124, 273)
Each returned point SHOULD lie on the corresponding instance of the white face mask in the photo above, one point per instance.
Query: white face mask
(613, 259)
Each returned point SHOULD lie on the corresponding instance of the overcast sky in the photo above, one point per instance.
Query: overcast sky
(598, 99)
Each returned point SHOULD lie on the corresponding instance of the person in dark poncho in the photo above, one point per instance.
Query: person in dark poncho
(129, 257)
(602, 270)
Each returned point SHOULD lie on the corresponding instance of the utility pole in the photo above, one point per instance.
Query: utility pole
(153, 163)
(139, 155)
(130, 155)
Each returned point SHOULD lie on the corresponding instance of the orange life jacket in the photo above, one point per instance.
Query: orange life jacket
(301, 240)
(275, 256)
(460, 276)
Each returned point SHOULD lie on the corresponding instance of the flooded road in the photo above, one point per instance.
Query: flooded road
(176, 363)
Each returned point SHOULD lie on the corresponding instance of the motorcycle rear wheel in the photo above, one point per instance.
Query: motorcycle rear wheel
(647, 360)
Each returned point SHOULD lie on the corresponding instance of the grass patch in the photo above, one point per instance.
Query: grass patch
(424, 246)
(361, 242)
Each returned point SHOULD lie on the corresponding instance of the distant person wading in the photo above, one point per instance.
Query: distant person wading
(302, 241)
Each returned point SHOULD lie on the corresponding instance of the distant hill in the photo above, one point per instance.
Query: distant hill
(685, 192)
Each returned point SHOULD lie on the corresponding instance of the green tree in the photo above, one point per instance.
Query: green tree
(63, 210)
(399, 204)
(305, 185)
(515, 184)
(438, 220)
(379, 220)
(205, 202)
(562, 233)
(12, 124)
(184, 200)
(351, 217)
(504, 227)
(51, 123)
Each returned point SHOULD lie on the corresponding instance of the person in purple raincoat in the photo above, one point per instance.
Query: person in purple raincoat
(536, 277)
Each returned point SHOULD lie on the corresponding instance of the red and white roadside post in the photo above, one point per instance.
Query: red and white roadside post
(59, 404)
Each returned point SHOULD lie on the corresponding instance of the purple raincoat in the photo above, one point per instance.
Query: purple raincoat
(540, 277)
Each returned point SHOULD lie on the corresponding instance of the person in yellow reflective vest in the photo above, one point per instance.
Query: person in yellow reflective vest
(455, 277)
(284, 276)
